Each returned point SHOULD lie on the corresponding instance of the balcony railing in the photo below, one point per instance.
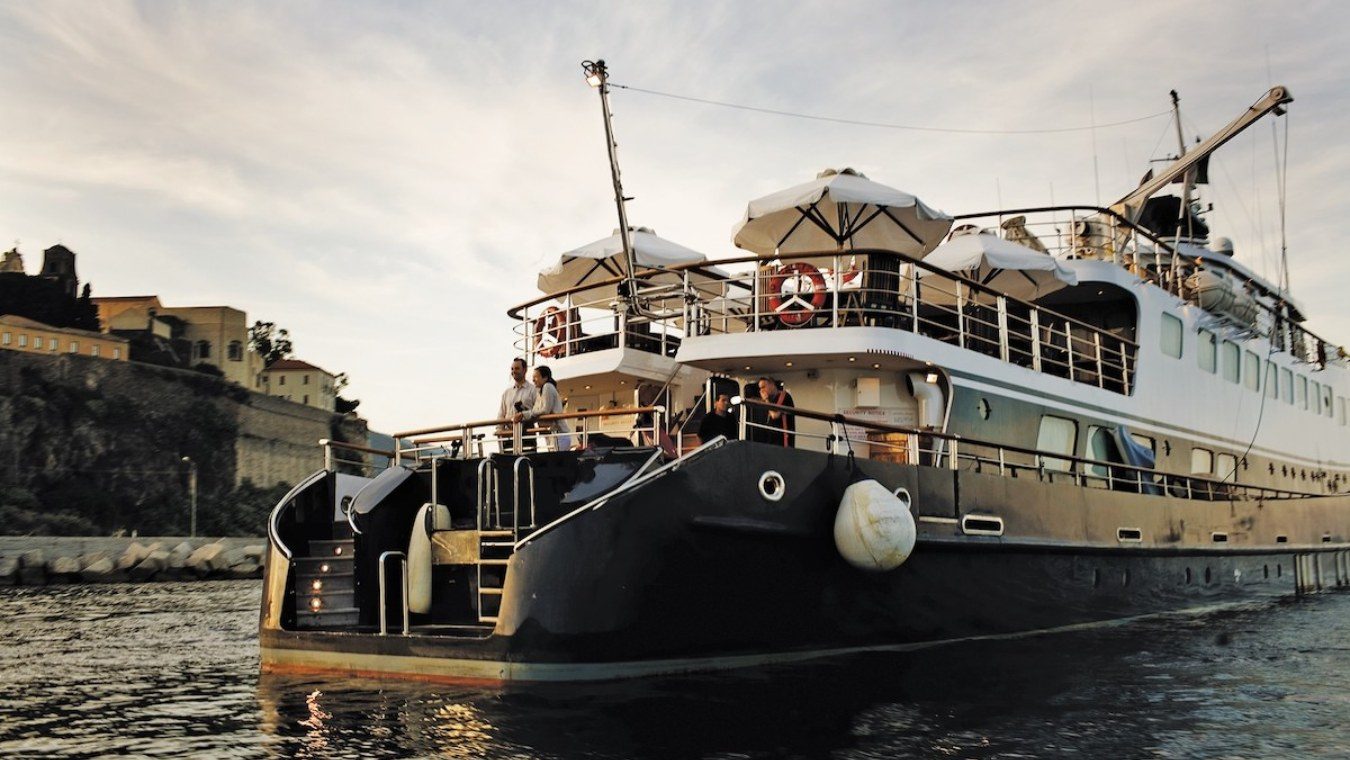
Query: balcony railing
(869, 439)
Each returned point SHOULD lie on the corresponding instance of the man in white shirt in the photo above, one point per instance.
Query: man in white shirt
(517, 398)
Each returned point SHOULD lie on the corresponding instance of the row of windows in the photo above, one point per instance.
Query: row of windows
(53, 344)
(304, 380)
(202, 350)
(1059, 435)
(1227, 359)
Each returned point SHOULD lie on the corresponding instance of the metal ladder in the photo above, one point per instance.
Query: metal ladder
(497, 537)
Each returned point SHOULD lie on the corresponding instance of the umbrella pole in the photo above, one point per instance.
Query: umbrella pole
(597, 76)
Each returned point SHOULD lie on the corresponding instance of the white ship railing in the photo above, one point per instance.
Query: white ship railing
(1098, 233)
(944, 450)
(470, 440)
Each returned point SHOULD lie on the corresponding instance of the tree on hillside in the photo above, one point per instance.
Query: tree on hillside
(269, 342)
(343, 405)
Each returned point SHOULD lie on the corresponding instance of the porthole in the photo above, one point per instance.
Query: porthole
(1279, 571)
(983, 408)
(1208, 577)
(772, 485)
(1096, 578)
(902, 494)
(1188, 576)
(1265, 569)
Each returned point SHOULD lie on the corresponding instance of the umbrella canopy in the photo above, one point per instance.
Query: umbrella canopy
(604, 259)
(838, 210)
(1007, 267)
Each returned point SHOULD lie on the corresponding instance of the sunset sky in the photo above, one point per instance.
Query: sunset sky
(385, 179)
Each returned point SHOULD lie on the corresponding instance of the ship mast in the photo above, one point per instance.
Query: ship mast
(1188, 178)
(597, 76)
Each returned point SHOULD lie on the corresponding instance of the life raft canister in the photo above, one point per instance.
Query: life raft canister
(792, 306)
(874, 529)
(552, 324)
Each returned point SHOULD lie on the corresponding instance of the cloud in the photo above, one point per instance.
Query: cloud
(384, 179)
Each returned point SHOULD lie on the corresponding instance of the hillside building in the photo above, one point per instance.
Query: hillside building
(301, 382)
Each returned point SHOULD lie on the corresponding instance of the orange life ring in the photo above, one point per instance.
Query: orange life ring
(795, 307)
(551, 324)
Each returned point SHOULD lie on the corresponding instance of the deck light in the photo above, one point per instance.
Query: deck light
(736, 400)
(932, 377)
(595, 72)
(853, 358)
(315, 604)
(323, 568)
(789, 364)
(317, 585)
(876, 366)
(337, 550)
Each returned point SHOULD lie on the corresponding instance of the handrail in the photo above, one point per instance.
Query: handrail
(325, 442)
(403, 564)
(842, 419)
(461, 427)
(273, 518)
(626, 486)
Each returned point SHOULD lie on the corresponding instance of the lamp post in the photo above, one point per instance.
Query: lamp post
(192, 495)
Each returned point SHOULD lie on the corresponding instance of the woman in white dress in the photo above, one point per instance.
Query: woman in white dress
(549, 401)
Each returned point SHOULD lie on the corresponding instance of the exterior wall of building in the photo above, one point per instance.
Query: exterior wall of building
(312, 387)
(123, 311)
(33, 337)
(219, 336)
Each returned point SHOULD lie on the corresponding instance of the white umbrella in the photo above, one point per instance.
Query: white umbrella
(1001, 265)
(604, 259)
(838, 210)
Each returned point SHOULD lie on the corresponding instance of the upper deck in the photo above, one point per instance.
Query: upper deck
(1085, 333)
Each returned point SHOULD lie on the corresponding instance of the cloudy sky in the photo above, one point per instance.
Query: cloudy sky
(384, 179)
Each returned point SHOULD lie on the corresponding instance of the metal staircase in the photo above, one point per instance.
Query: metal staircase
(498, 530)
(325, 590)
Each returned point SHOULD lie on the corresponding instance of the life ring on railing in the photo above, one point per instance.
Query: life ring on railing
(794, 304)
(550, 333)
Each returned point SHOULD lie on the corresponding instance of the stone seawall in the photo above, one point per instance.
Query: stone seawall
(42, 560)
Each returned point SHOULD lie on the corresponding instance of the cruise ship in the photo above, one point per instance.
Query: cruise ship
(881, 427)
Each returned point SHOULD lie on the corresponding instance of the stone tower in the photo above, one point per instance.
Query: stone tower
(12, 262)
(58, 263)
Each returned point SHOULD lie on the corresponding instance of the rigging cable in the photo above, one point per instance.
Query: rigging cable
(1281, 173)
(884, 125)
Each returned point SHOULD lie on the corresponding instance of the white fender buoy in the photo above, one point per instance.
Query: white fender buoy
(419, 558)
(874, 529)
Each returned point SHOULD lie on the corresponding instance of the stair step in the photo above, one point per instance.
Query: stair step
(496, 591)
(341, 616)
(487, 561)
(304, 584)
(326, 548)
(496, 533)
(487, 618)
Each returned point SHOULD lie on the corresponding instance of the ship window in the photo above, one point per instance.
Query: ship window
(1272, 381)
(1340, 407)
(1326, 400)
(1101, 445)
(1302, 388)
(1314, 397)
(1287, 383)
(1207, 351)
(1225, 467)
(1229, 356)
(1171, 336)
(1202, 461)
(1251, 371)
(1145, 441)
(1059, 436)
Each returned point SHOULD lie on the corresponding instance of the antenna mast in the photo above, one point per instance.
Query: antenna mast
(597, 76)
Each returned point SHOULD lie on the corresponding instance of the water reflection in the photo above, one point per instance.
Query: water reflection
(1210, 686)
(171, 670)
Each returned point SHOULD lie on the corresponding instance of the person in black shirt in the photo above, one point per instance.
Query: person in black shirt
(782, 425)
(718, 421)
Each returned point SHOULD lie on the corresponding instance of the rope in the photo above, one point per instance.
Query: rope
(886, 125)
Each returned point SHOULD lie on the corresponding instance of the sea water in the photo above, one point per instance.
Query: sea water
(171, 669)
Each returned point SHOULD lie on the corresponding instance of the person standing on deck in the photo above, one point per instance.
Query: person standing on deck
(549, 401)
(718, 421)
(518, 398)
(783, 424)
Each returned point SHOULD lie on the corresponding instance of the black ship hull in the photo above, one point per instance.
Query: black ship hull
(696, 569)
